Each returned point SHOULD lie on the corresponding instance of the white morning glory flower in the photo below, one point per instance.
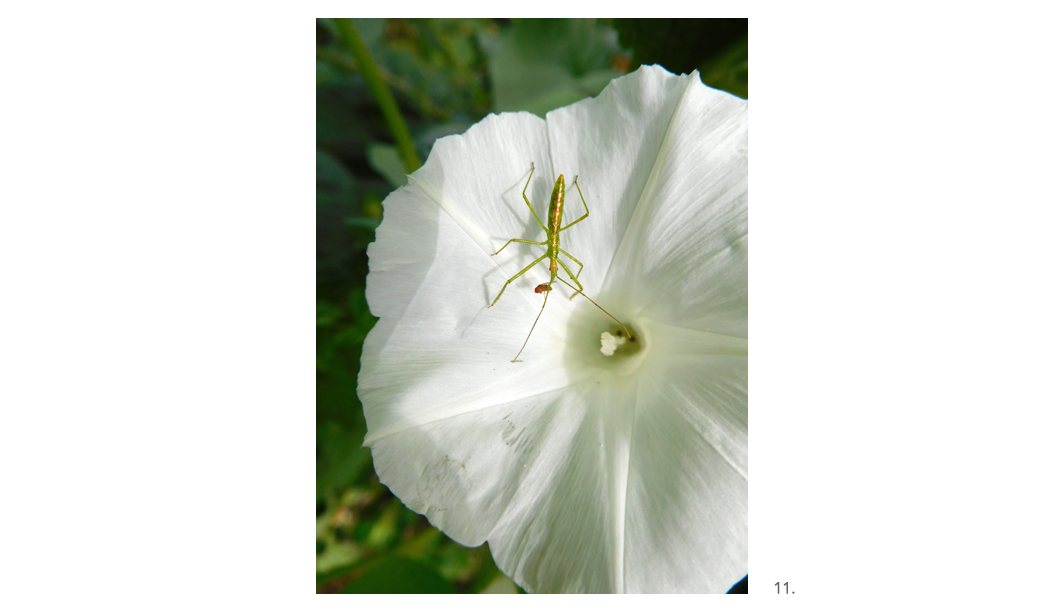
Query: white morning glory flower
(594, 464)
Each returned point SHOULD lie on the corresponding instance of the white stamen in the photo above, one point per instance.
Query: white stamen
(610, 343)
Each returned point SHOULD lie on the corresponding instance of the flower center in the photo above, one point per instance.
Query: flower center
(594, 340)
(616, 342)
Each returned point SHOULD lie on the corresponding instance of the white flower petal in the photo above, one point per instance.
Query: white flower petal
(689, 238)
(565, 532)
(677, 225)
(540, 478)
(463, 471)
(611, 141)
(584, 472)
(477, 178)
(688, 531)
(444, 352)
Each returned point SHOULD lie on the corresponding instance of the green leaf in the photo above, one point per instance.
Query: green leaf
(328, 314)
(386, 161)
(337, 384)
(421, 545)
(364, 320)
(341, 458)
(539, 65)
(486, 572)
(385, 529)
(596, 81)
(395, 574)
(362, 222)
(336, 572)
(327, 74)
(371, 29)
(341, 125)
(337, 555)
(339, 351)
(335, 183)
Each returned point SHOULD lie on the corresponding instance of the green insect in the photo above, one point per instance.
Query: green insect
(554, 216)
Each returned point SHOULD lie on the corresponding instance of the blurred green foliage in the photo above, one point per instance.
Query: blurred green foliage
(446, 74)
(538, 65)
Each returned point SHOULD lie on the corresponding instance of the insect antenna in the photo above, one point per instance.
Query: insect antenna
(544, 288)
(596, 306)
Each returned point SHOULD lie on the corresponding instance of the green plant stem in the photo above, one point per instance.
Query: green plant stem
(344, 61)
(379, 89)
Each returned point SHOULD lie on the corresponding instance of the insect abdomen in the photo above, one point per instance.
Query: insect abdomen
(557, 203)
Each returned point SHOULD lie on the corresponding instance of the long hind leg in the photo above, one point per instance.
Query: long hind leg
(577, 277)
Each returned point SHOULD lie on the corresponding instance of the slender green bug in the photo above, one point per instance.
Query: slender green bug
(554, 250)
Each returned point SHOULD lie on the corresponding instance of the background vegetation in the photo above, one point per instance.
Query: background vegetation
(445, 75)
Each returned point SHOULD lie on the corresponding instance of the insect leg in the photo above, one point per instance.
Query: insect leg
(519, 240)
(570, 273)
(533, 328)
(530, 204)
(527, 268)
(576, 260)
(581, 292)
(586, 211)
